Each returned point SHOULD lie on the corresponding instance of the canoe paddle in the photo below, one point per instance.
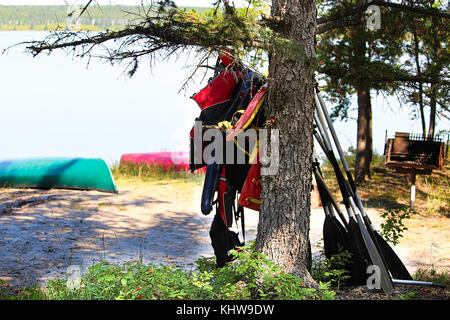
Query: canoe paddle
(392, 261)
(355, 220)
(359, 260)
(332, 202)
(334, 233)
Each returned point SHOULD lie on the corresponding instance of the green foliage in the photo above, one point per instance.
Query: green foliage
(252, 276)
(352, 58)
(393, 227)
(249, 276)
(407, 296)
(331, 270)
(132, 280)
(163, 27)
(425, 43)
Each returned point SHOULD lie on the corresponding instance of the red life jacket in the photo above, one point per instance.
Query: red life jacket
(251, 191)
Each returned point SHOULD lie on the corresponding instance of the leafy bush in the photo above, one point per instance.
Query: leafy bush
(392, 228)
(331, 270)
(249, 276)
(252, 276)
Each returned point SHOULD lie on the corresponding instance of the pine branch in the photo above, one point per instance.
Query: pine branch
(84, 9)
(165, 31)
(393, 77)
(338, 24)
(432, 12)
(355, 10)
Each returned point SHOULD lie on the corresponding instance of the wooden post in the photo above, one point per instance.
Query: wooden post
(413, 188)
(446, 148)
(315, 196)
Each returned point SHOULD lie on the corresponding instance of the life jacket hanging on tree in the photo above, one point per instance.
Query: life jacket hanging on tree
(251, 191)
(249, 114)
(226, 95)
(214, 101)
(224, 103)
(221, 191)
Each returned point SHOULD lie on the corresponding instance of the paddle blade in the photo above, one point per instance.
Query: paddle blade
(339, 225)
(334, 240)
(376, 258)
(360, 256)
(394, 264)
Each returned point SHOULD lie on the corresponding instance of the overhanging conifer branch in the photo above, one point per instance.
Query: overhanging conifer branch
(160, 31)
(355, 10)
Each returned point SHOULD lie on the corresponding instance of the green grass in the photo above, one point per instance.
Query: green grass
(432, 275)
(153, 173)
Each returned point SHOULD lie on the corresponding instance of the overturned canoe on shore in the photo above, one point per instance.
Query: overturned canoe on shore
(60, 173)
(176, 161)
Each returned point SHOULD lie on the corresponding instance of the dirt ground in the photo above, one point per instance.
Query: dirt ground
(44, 232)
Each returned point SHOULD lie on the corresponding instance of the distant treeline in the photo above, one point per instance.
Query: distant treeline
(47, 18)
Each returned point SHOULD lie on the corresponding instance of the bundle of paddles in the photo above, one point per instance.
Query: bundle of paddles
(231, 105)
(372, 261)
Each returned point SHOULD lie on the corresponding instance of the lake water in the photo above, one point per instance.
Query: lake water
(57, 106)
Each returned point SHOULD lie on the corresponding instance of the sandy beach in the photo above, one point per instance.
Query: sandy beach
(43, 232)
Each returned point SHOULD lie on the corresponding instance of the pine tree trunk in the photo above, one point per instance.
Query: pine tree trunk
(364, 122)
(436, 75)
(283, 229)
(433, 103)
(419, 84)
(364, 136)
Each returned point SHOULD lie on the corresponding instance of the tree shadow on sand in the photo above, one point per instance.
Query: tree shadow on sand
(40, 242)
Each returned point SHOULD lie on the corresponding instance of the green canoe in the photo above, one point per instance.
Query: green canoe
(64, 173)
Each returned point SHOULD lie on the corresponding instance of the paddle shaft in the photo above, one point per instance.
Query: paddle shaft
(328, 194)
(347, 193)
(342, 157)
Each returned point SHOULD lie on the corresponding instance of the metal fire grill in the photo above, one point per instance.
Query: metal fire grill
(407, 152)
(414, 154)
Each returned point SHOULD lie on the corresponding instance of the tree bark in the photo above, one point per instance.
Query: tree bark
(420, 85)
(419, 73)
(433, 103)
(364, 143)
(436, 74)
(283, 229)
(364, 122)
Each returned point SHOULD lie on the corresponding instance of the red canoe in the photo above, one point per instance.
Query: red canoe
(178, 161)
